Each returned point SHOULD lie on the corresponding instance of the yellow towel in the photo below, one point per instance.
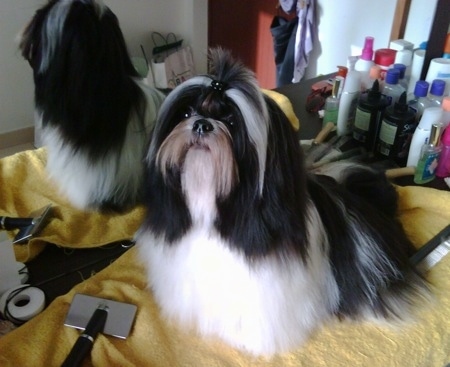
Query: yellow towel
(25, 187)
(43, 341)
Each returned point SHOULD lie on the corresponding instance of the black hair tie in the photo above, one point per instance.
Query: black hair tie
(218, 85)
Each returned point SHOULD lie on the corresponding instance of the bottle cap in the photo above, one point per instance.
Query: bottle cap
(385, 56)
(401, 105)
(447, 44)
(431, 115)
(375, 72)
(437, 87)
(446, 104)
(435, 134)
(401, 68)
(342, 71)
(392, 76)
(446, 136)
(421, 88)
(367, 52)
(336, 86)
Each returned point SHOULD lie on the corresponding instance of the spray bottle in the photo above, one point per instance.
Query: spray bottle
(431, 115)
(443, 168)
(429, 157)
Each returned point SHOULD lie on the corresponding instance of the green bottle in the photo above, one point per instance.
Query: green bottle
(429, 157)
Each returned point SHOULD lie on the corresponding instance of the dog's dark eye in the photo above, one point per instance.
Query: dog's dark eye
(188, 112)
(229, 120)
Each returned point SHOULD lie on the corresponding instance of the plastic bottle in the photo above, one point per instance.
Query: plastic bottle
(384, 58)
(446, 54)
(443, 168)
(431, 115)
(375, 74)
(446, 111)
(348, 101)
(332, 103)
(369, 113)
(392, 90)
(404, 54)
(365, 62)
(397, 126)
(419, 101)
(401, 78)
(429, 157)
(436, 92)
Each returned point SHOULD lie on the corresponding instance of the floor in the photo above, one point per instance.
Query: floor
(15, 149)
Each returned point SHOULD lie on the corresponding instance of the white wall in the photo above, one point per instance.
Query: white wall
(343, 25)
(138, 18)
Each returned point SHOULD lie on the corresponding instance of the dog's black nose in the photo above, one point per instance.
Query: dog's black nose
(202, 126)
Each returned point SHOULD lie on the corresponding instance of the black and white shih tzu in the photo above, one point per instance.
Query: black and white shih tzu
(94, 111)
(242, 243)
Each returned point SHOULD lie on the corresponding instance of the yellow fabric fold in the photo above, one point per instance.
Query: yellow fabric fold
(44, 341)
(25, 187)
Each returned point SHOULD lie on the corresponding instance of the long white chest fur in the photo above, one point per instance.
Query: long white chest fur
(267, 306)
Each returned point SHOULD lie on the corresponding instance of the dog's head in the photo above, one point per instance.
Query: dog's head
(63, 30)
(223, 117)
(224, 156)
(83, 75)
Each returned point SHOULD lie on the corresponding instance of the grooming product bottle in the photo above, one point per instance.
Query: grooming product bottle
(416, 68)
(431, 115)
(443, 168)
(369, 113)
(392, 90)
(375, 74)
(332, 102)
(348, 100)
(404, 54)
(365, 62)
(397, 126)
(436, 92)
(384, 58)
(446, 111)
(401, 77)
(419, 101)
(429, 157)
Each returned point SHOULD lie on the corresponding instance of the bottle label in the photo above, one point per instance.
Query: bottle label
(362, 125)
(387, 137)
(427, 167)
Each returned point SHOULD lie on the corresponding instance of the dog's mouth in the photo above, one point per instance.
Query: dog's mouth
(198, 142)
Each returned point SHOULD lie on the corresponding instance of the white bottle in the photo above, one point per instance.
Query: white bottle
(365, 62)
(348, 103)
(431, 115)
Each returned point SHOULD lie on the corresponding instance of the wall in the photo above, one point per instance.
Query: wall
(138, 18)
(343, 25)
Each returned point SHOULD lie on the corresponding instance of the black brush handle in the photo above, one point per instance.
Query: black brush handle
(9, 223)
(84, 343)
(426, 249)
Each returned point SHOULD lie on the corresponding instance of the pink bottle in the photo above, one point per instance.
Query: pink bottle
(443, 168)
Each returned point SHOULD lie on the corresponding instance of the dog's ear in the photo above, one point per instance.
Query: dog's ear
(256, 223)
(29, 38)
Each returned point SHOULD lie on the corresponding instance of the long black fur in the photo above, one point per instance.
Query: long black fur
(89, 89)
(273, 223)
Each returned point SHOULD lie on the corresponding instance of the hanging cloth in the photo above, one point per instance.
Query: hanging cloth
(304, 40)
(283, 34)
(306, 30)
